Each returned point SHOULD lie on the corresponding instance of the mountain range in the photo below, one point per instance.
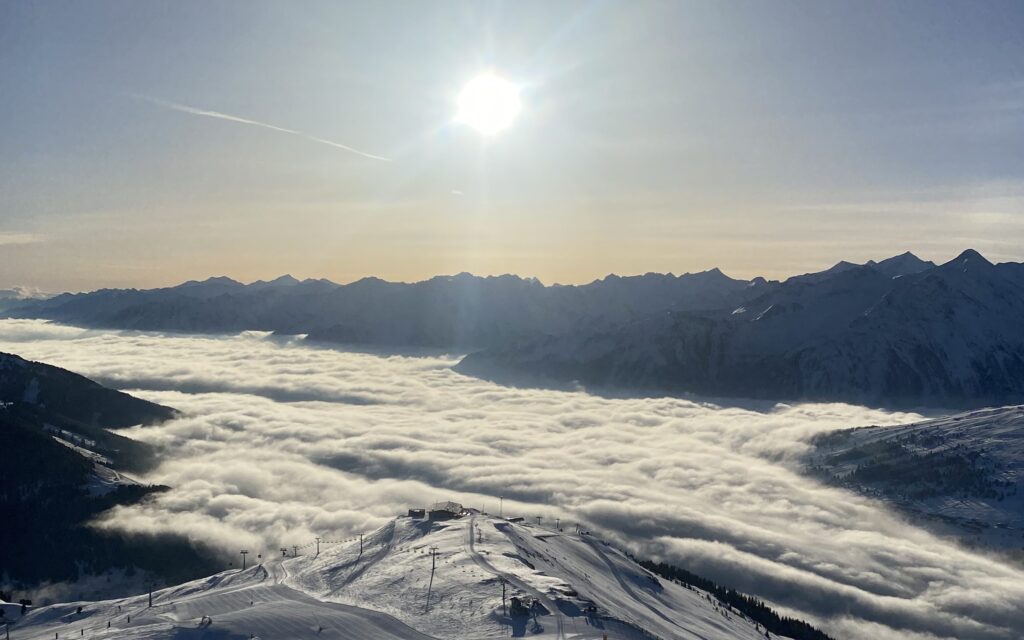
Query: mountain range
(901, 331)
(461, 312)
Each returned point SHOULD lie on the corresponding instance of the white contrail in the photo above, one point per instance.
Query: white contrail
(184, 108)
(9, 238)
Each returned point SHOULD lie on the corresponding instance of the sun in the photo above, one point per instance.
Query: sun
(488, 103)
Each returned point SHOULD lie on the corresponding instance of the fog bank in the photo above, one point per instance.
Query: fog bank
(280, 442)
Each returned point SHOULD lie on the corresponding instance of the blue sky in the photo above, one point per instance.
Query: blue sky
(763, 138)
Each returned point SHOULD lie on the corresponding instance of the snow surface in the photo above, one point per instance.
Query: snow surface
(992, 438)
(12, 611)
(234, 604)
(563, 571)
(388, 591)
(104, 477)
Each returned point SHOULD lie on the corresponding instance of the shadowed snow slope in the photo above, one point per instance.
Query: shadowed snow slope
(962, 474)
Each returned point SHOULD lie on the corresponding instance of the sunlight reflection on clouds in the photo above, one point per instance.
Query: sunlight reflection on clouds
(280, 442)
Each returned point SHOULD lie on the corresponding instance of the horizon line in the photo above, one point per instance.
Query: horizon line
(497, 275)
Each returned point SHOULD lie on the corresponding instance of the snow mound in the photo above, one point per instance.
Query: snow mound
(230, 605)
(416, 579)
(446, 579)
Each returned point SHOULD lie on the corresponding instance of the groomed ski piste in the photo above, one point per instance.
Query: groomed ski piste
(417, 579)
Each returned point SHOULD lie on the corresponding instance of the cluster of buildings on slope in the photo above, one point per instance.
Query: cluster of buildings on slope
(439, 511)
(449, 510)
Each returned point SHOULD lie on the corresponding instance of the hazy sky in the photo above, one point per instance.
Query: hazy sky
(765, 138)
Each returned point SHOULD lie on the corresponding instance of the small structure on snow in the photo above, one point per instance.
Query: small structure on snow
(445, 510)
(520, 606)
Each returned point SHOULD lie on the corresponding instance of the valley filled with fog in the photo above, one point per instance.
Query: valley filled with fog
(279, 442)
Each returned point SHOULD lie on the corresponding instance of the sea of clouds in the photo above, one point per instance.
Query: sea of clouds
(281, 441)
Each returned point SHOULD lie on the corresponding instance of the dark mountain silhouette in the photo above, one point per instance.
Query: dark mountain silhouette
(43, 394)
(889, 333)
(58, 474)
(460, 312)
(898, 331)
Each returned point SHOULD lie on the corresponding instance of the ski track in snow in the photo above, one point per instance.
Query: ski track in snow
(482, 562)
(251, 602)
(304, 597)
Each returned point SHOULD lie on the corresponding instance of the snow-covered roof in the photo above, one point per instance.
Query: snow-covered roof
(453, 507)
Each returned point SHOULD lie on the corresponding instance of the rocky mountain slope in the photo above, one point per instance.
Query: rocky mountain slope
(896, 332)
(961, 475)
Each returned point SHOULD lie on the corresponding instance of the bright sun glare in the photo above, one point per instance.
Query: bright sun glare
(488, 103)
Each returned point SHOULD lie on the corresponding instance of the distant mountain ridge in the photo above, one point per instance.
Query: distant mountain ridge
(898, 331)
(461, 312)
(894, 267)
(892, 333)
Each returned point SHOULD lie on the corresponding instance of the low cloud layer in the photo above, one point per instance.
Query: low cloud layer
(281, 442)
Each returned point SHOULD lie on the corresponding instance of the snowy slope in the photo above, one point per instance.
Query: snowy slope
(233, 604)
(104, 478)
(563, 571)
(962, 474)
(382, 593)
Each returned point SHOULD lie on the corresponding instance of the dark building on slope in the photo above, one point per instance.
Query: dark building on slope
(445, 510)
